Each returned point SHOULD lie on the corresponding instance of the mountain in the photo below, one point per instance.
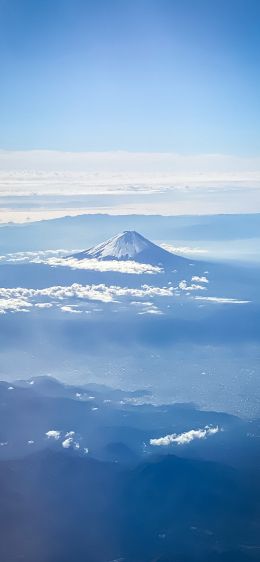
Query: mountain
(130, 245)
(163, 509)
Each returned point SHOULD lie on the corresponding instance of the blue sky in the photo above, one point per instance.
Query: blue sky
(139, 75)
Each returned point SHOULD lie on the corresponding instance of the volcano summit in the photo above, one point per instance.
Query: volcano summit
(130, 245)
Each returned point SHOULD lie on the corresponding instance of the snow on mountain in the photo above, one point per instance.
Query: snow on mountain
(124, 246)
(130, 245)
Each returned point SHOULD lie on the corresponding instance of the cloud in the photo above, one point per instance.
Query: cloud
(183, 250)
(193, 287)
(142, 303)
(53, 434)
(34, 257)
(58, 172)
(198, 279)
(14, 305)
(58, 259)
(17, 299)
(184, 438)
(221, 300)
(152, 310)
(69, 441)
(70, 434)
(189, 184)
(129, 267)
(70, 309)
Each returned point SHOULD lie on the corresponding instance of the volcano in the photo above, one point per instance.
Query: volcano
(130, 245)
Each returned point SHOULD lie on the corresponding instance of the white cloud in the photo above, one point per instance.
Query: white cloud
(52, 172)
(221, 300)
(184, 438)
(189, 184)
(198, 279)
(68, 439)
(141, 303)
(68, 442)
(53, 434)
(35, 257)
(129, 267)
(58, 259)
(20, 298)
(183, 250)
(13, 305)
(193, 287)
(151, 310)
(43, 305)
(70, 434)
(70, 309)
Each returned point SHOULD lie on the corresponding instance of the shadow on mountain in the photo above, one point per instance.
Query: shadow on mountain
(56, 507)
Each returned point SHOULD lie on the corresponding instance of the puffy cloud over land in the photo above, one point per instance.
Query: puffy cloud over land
(20, 299)
(184, 438)
(16, 304)
(201, 279)
(58, 259)
(128, 266)
(53, 434)
(183, 285)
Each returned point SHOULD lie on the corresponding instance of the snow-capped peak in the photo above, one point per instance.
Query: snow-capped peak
(124, 246)
(129, 245)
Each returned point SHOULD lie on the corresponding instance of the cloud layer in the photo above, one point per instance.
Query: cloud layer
(221, 300)
(131, 267)
(43, 171)
(188, 184)
(58, 259)
(20, 299)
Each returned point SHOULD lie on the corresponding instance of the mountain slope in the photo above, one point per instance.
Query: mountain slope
(165, 509)
(130, 245)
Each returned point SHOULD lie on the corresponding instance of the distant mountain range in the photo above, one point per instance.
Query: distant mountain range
(67, 232)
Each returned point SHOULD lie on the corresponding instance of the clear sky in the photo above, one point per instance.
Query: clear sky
(137, 75)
